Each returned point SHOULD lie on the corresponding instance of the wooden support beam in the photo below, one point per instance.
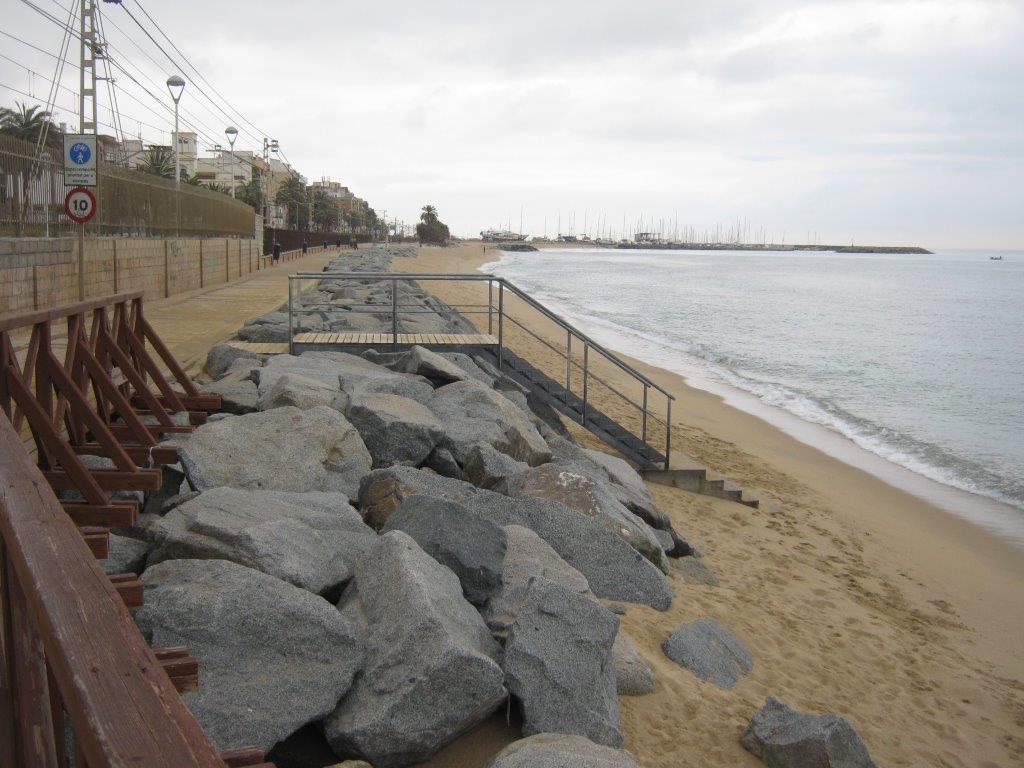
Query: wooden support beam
(244, 757)
(140, 454)
(129, 588)
(109, 479)
(98, 541)
(113, 515)
(180, 667)
(121, 431)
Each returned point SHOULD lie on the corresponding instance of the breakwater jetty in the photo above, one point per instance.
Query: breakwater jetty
(664, 246)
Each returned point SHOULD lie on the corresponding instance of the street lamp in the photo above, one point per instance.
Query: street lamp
(175, 85)
(232, 133)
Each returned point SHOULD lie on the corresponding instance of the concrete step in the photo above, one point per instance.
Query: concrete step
(688, 475)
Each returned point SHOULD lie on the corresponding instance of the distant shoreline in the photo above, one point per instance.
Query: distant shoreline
(889, 249)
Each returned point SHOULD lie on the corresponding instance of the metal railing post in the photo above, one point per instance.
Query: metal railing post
(501, 322)
(586, 370)
(490, 307)
(643, 427)
(394, 313)
(291, 334)
(568, 361)
(668, 431)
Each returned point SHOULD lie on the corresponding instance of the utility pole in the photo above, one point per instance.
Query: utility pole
(87, 64)
(86, 104)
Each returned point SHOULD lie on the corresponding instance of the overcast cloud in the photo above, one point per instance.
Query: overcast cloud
(890, 122)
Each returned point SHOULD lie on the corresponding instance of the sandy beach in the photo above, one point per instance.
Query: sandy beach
(852, 595)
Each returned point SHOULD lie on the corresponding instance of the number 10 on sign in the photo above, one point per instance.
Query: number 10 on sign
(80, 205)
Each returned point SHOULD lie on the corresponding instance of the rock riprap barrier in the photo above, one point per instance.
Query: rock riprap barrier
(382, 551)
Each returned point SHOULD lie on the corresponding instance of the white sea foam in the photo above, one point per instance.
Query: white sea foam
(702, 361)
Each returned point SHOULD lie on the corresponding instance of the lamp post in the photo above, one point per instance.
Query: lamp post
(232, 133)
(175, 85)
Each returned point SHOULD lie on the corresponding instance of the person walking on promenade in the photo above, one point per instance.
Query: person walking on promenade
(305, 247)
(277, 251)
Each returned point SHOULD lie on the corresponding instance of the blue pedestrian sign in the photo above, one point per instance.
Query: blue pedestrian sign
(80, 153)
(79, 160)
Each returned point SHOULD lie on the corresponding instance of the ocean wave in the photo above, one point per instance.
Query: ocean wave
(931, 461)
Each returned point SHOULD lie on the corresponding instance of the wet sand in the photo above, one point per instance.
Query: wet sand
(853, 596)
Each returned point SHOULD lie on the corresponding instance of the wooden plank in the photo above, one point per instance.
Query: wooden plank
(112, 515)
(242, 758)
(122, 706)
(98, 541)
(109, 479)
(141, 455)
(129, 589)
(34, 741)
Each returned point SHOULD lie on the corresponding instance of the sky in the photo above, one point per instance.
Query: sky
(895, 122)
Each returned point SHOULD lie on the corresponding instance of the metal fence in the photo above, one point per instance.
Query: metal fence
(130, 202)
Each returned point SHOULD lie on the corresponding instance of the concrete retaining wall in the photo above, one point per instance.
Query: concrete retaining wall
(36, 273)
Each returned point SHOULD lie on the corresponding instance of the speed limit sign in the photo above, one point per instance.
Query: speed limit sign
(80, 204)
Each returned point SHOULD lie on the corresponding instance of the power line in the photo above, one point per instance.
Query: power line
(194, 69)
(180, 68)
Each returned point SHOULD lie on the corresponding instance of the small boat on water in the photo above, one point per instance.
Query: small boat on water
(995, 258)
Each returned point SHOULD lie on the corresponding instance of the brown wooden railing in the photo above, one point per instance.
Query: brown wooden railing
(76, 676)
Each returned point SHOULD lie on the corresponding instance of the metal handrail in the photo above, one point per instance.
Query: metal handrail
(394, 278)
(413, 276)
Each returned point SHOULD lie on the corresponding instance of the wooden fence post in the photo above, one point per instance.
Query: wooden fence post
(201, 265)
(227, 263)
(35, 287)
(113, 242)
(167, 268)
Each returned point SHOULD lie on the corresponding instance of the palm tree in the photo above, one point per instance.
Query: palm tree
(429, 215)
(294, 196)
(158, 161)
(28, 124)
(325, 212)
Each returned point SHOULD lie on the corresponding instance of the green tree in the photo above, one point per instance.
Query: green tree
(294, 196)
(159, 161)
(431, 229)
(326, 216)
(252, 191)
(29, 123)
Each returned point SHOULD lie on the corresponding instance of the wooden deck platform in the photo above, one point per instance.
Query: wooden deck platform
(307, 341)
(374, 339)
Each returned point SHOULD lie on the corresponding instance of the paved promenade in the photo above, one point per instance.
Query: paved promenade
(191, 323)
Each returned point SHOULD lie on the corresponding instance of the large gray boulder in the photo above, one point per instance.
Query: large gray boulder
(560, 750)
(471, 546)
(221, 356)
(528, 559)
(558, 665)
(486, 467)
(125, 555)
(272, 657)
(707, 649)
(298, 391)
(430, 673)
(395, 429)
(311, 540)
(474, 413)
(352, 374)
(613, 568)
(237, 391)
(594, 499)
(284, 449)
(430, 365)
(782, 737)
(633, 675)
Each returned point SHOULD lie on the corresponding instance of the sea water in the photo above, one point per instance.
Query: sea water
(918, 359)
